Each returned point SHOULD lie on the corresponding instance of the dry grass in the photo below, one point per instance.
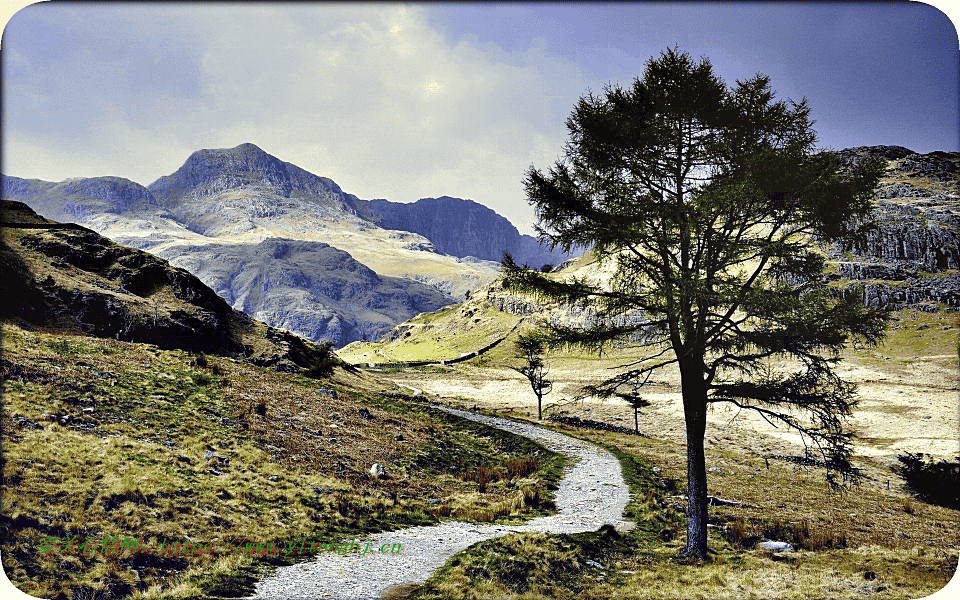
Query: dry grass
(858, 544)
(161, 448)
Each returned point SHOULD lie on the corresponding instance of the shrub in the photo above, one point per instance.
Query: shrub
(932, 482)
(323, 361)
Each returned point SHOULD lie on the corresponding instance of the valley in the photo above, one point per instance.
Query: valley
(177, 399)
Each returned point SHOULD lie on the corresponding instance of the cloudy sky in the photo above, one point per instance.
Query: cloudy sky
(408, 101)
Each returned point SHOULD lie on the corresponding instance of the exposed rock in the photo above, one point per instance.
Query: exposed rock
(776, 546)
(223, 460)
(377, 471)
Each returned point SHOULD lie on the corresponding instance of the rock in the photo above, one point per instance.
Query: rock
(377, 471)
(776, 546)
(224, 461)
(326, 392)
(25, 422)
(364, 413)
(399, 437)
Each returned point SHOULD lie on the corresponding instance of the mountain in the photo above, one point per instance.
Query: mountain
(214, 213)
(310, 288)
(461, 228)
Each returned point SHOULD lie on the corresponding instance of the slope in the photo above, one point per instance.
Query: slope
(155, 446)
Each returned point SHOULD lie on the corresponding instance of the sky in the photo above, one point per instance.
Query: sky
(421, 100)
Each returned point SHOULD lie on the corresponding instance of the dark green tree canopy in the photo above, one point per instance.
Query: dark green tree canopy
(715, 206)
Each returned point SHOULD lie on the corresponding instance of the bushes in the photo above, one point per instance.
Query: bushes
(323, 360)
(933, 482)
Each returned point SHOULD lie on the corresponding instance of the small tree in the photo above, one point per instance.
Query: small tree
(530, 350)
(713, 205)
(637, 402)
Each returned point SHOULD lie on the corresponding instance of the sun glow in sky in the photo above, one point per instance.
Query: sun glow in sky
(408, 101)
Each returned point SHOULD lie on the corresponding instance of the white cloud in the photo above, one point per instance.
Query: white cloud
(369, 95)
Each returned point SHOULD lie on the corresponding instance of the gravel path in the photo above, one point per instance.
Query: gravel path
(591, 494)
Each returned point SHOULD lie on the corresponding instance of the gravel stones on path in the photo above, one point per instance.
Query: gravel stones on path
(591, 494)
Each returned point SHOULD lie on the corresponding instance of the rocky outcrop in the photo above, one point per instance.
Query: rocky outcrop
(213, 171)
(461, 228)
(922, 232)
(909, 253)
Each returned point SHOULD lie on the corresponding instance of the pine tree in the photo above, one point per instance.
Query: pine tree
(715, 206)
(530, 349)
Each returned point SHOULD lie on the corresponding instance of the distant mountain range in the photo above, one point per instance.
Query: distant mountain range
(291, 248)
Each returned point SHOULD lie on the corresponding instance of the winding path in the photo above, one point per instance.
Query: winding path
(591, 493)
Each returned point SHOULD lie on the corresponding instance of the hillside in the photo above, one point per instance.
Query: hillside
(78, 281)
(904, 262)
(141, 410)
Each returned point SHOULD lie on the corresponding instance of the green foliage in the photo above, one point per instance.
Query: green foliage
(323, 361)
(936, 482)
(711, 202)
(530, 349)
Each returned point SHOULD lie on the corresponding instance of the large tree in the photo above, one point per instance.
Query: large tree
(715, 206)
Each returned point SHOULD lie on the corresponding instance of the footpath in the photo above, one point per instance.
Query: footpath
(592, 493)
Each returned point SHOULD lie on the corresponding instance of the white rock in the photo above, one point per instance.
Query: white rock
(775, 546)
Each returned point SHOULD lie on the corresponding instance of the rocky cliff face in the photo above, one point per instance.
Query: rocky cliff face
(461, 228)
(910, 253)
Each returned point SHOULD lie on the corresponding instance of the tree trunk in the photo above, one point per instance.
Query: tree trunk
(695, 418)
(539, 407)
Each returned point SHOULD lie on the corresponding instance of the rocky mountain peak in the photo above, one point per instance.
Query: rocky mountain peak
(211, 172)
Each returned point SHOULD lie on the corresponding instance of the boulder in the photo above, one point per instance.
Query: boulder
(775, 546)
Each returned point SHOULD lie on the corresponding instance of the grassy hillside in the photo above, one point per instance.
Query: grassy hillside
(113, 449)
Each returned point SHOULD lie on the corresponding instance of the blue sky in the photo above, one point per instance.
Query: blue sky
(407, 101)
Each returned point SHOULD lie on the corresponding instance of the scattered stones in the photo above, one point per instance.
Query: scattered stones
(592, 424)
(25, 422)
